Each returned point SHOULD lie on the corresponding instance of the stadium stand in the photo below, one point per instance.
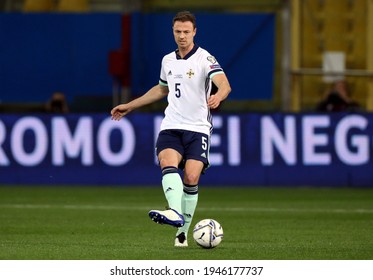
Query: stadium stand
(38, 5)
(327, 26)
(73, 6)
(323, 26)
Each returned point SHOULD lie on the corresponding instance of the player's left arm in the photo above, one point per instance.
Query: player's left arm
(224, 88)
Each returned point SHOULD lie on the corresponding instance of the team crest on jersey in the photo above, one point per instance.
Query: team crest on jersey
(190, 73)
(211, 59)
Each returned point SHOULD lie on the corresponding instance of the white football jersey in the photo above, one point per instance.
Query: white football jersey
(189, 83)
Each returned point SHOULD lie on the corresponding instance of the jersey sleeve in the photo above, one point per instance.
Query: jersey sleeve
(212, 66)
(163, 76)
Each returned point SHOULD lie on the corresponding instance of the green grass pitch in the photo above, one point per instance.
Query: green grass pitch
(111, 223)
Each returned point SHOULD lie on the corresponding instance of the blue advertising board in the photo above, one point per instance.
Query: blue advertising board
(246, 149)
(41, 53)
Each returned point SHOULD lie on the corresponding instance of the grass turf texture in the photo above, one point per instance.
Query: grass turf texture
(99, 223)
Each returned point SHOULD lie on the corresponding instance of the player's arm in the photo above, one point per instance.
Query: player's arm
(224, 88)
(154, 94)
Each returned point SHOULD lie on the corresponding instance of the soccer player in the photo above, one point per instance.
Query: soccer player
(183, 142)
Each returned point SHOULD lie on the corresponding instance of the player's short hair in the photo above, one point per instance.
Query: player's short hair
(184, 16)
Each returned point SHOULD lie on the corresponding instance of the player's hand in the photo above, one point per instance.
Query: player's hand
(119, 111)
(213, 102)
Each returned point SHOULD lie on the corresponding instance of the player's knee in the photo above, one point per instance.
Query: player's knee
(191, 178)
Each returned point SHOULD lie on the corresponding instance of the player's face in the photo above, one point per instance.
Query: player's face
(184, 33)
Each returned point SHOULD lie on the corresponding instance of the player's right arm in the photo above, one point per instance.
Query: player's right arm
(154, 94)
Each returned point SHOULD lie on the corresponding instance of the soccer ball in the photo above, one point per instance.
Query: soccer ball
(208, 233)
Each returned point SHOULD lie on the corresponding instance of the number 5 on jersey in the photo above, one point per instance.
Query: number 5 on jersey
(177, 90)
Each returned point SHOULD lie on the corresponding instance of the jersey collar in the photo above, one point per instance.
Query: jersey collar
(192, 51)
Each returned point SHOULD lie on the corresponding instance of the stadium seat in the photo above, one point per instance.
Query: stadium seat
(38, 5)
(73, 6)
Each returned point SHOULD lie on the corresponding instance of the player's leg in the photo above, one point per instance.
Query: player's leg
(196, 155)
(192, 172)
(169, 159)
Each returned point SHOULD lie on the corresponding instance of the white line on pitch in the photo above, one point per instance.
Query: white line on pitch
(213, 209)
